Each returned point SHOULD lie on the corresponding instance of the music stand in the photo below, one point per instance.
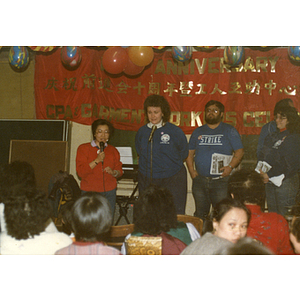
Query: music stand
(130, 171)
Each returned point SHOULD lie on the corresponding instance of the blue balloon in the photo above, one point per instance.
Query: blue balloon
(294, 54)
(71, 56)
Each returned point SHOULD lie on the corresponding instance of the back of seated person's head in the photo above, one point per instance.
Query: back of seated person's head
(246, 246)
(91, 217)
(26, 214)
(295, 234)
(155, 211)
(247, 186)
(16, 178)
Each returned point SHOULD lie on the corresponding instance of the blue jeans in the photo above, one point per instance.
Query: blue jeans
(279, 199)
(207, 192)
(111, 198)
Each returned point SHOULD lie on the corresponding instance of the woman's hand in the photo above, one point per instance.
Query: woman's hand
(100, 157)
(112, 172)
(264, 176)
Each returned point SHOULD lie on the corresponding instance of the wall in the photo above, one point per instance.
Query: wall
(16, 90)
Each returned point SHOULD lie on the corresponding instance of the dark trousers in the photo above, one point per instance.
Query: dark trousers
(176, 184)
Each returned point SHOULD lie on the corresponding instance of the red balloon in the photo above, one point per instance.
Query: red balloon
(114, 60)
(132, 69)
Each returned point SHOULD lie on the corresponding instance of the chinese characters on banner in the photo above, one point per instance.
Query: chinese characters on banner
(249, 92)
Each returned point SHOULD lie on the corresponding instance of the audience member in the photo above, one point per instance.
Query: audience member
(295, 235)
(226, 224)
(26, 213)
(269, 228)
(155, 215)
(15, 178)
(91, 219)
(246, 246)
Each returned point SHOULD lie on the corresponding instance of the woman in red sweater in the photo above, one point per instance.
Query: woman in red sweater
(98, 163)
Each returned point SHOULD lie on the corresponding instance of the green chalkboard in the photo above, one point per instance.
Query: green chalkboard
(52, 130)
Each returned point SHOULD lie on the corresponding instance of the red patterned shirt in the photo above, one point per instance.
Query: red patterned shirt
(271, 229)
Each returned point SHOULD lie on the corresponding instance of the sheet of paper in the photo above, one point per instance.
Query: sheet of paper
(219, 161)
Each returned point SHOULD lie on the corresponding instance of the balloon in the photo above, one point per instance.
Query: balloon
(234, 55)
(70, 56)
(115, 59)
(294, 54)
(132, 69)
(182, 53)
(141, 55)
(18, 57)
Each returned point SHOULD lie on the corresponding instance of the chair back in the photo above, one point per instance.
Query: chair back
(117, 234)
(140, 245)
(197, 222)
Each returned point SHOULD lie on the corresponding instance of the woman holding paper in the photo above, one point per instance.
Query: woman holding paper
(279, 161)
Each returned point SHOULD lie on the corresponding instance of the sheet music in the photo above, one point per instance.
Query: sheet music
(126, 156)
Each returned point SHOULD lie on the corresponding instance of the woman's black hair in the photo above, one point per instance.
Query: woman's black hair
(27, 214)
(91, 217)
(98, 122)
(155, 211)
(292, 116)
(220, 210)
(157, 101)
(247, 186)
(16, 178)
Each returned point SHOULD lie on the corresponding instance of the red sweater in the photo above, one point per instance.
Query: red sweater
(97, 180)
(271, 229)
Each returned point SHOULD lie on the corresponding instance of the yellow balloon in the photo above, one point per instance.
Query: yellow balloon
(141, 55)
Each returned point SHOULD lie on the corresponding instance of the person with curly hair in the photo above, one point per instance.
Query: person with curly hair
(279, 161)
(91, 219)
(155, 215)
(26, 213)
(98, 163)
(162, 149)
(16, 177)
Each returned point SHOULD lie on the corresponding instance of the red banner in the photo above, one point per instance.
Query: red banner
(249, 92)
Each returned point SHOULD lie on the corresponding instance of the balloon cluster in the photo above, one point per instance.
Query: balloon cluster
(130, 60)
(18, 57)
(70, 56)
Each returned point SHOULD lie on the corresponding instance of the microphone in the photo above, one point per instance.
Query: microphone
(101, 146)
(152, 132)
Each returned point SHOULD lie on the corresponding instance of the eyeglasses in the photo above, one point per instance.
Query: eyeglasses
(101, 131)
(214, 110)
